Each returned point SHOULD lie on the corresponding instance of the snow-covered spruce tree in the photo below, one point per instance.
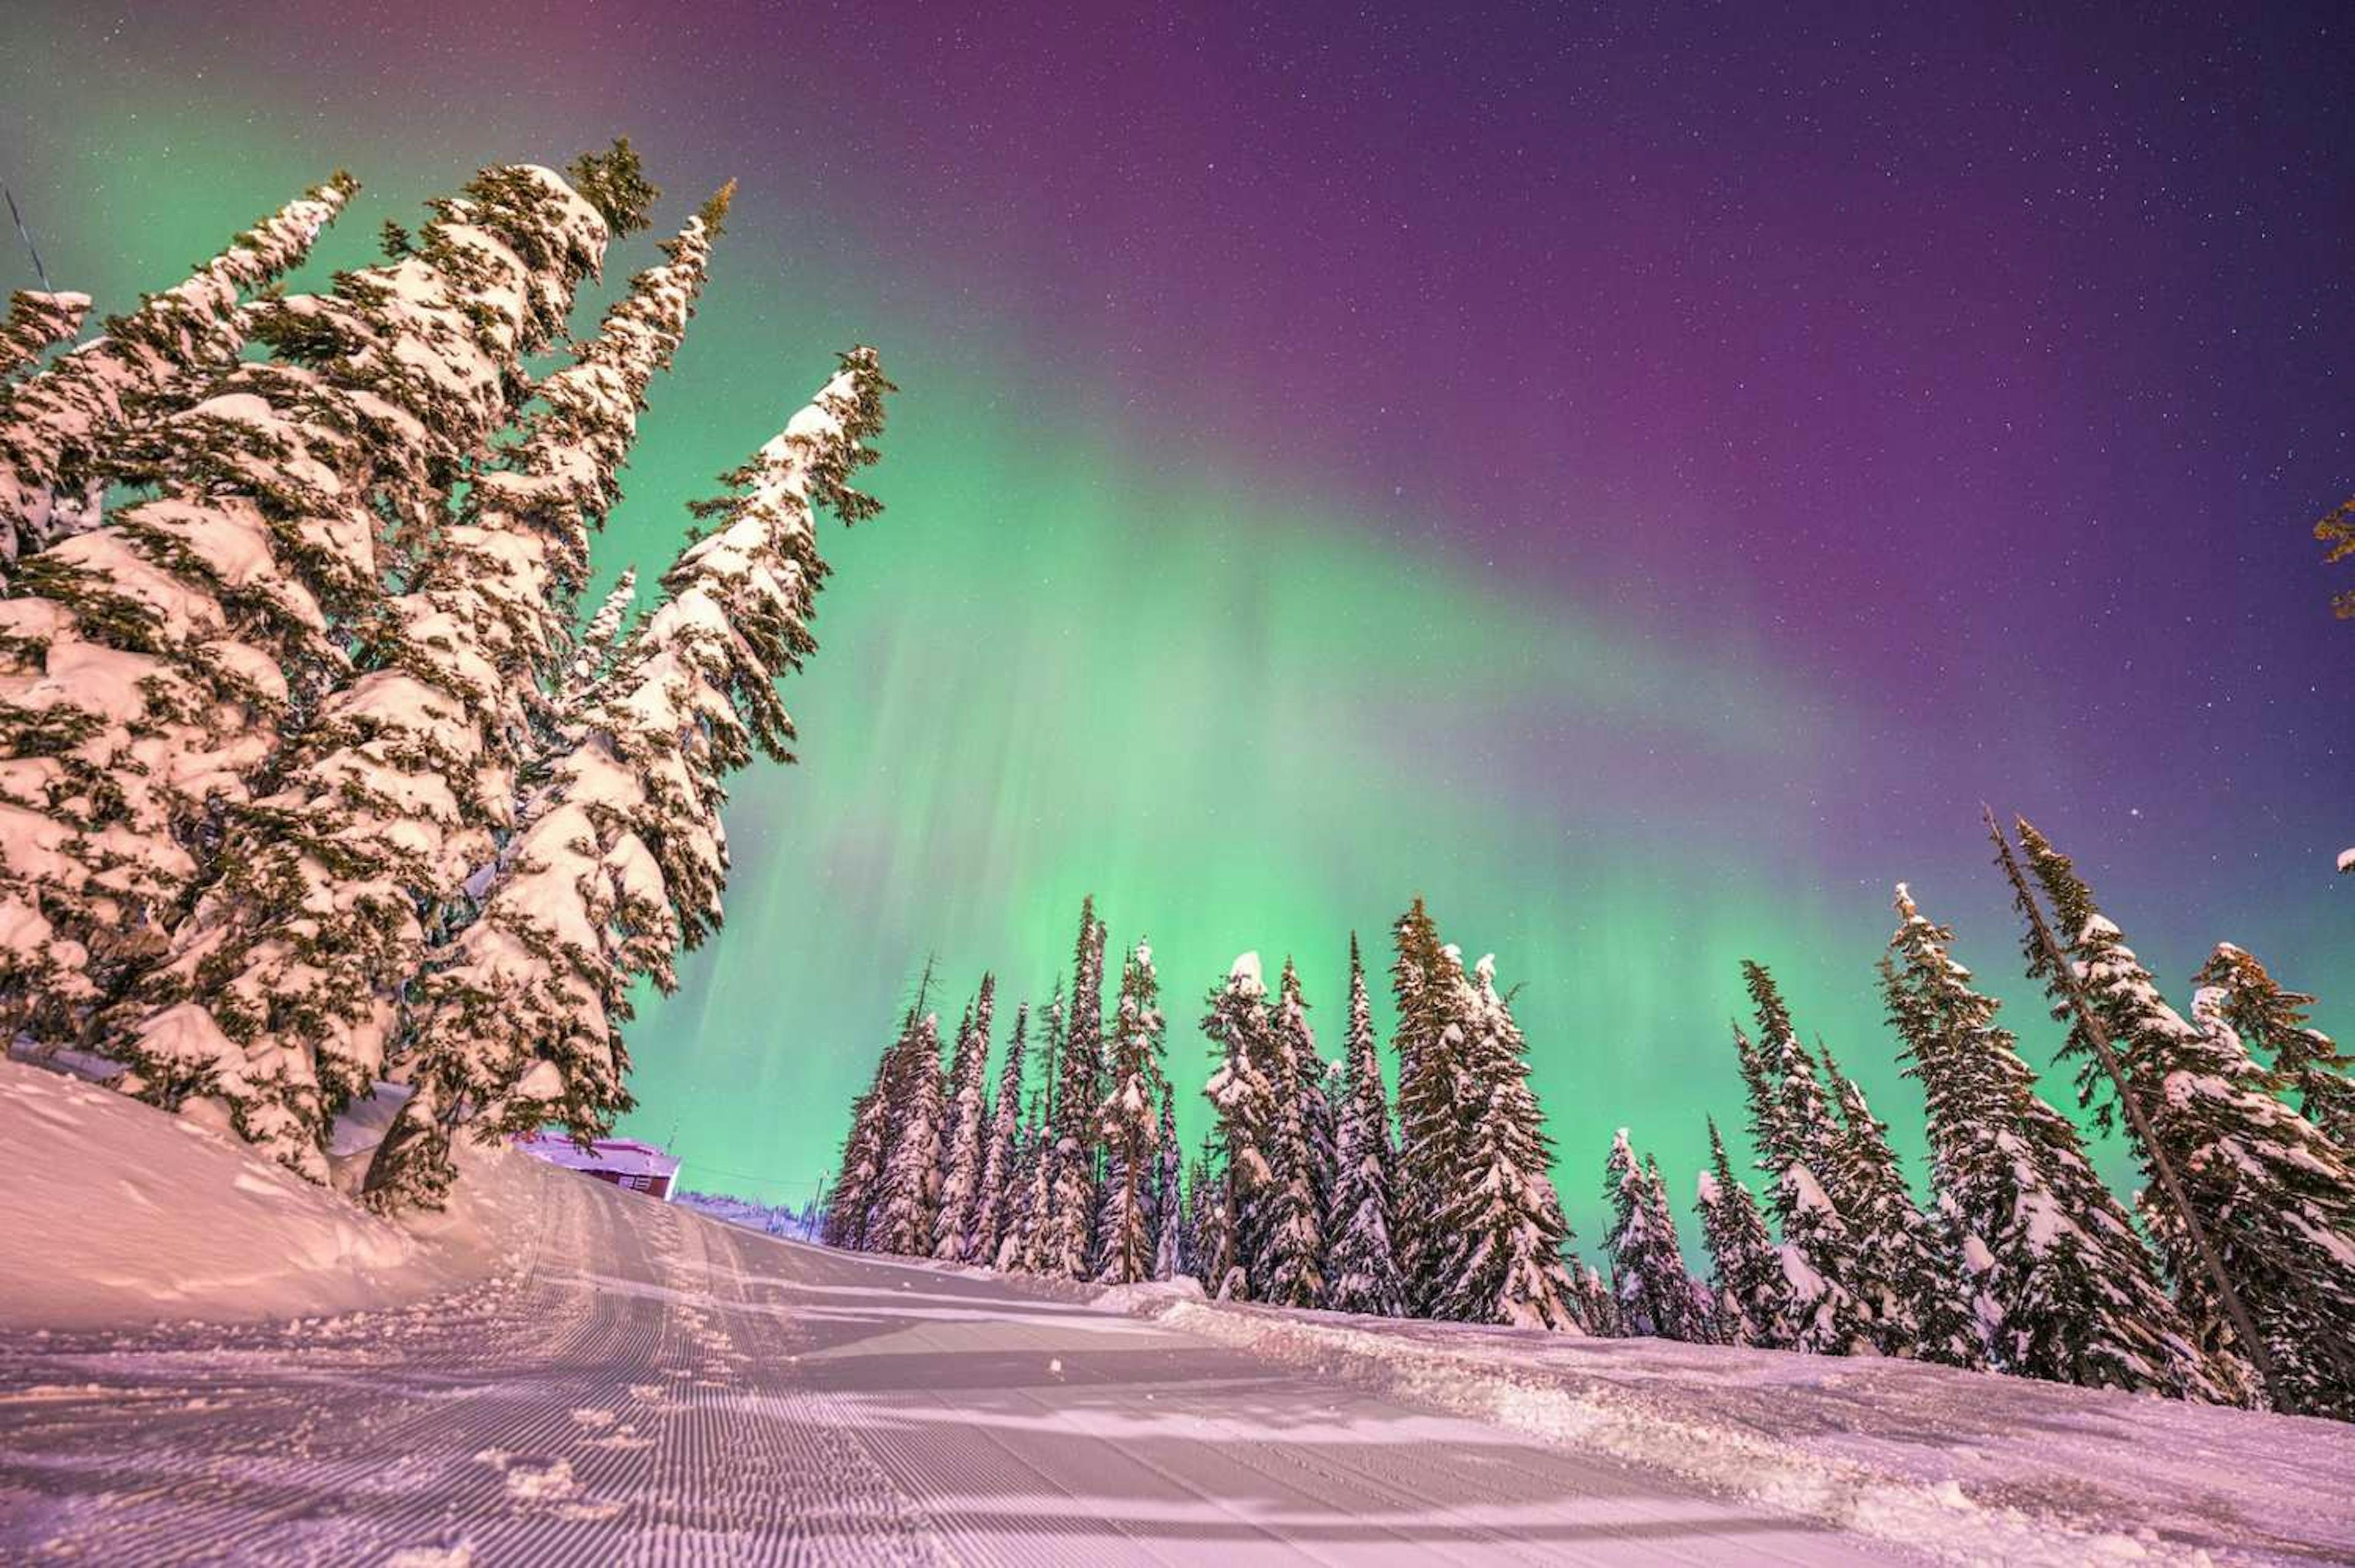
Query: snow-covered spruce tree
(1215, 1252)
(1169, 1195)
(999, 1178)
(1361, 1270)
(1501, 1231)
(965, 1153)
(907, 1202)
(1435, 1099)
(1068, 1237)
(2210, 1108)
(405, 780)
(2307, 1062)
(1753, 1298)
(858, 1174)
(1024, 1248)
(62, 429)
(1125, 1244)
(1287, 1261)
(620, 859)
(1242, 1092)
(1598, 1309)
(2278, 1202)
(2063, 1287)
(1918, 1297)
(1798, 1141)
(35, 320)
(150, 670)
(1648, 1273)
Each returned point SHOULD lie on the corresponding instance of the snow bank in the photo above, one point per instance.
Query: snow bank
(1962, 1467)
(116, 1214)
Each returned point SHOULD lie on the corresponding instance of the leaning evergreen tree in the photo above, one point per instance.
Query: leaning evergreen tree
(1361, 1273)
(1501, 1231)
(2062, 1285)
(1125, 1244)
(1753, 1298)
(966, 1150)
(620, 861)
(159, 670)
(2307, 1062)
(65, 431)
(1000, 1180)
(404, 780)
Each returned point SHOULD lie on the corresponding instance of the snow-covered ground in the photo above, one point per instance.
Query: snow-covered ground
(1961, 1465)
(567, 1372)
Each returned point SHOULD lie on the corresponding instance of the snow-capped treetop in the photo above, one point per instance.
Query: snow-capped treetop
(1246, 972)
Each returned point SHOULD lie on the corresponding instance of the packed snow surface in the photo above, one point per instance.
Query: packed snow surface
(633, 1382)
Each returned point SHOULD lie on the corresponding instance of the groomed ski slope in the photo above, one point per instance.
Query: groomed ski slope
(623, 1381)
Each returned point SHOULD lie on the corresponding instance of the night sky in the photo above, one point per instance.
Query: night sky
(1641, 485)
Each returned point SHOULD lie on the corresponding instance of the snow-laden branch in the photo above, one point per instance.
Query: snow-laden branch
(56, 426)
(35, 320)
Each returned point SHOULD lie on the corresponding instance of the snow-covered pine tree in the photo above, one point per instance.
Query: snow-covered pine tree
(404, 781)
(152, 667)
(1798, 1142)
(1169, 1197)
(2308, 1064)
(1361, 1270)
(1216, 1255)
(35, 320)
(1913, 1284)
(620, 859)
(1242, 1091)
(1501, 1237)
(1435, 1101)
(1647, 1301)
(966, 1148)
(858, 1175)
(1191, 1193)
(1287, 1263)
(1024, 1248)
(907, 1203)
(2064, 1286)
(2153, 1044)
(1125, 1244)
(999, 1178)
(1753, 1298)
(2279, 1201)
(62, 430)
(1070, 1225)
(1598, 1308)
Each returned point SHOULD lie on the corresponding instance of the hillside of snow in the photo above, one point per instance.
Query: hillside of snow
(116, 1214)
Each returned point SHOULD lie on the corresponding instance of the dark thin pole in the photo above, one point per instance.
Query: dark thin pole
(38, 270)
(2242, 1325)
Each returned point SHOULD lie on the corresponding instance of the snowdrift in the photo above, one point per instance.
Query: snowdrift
(1963, 1466)
(116, 1214)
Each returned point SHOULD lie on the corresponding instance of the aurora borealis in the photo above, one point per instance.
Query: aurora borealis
(1641, 486)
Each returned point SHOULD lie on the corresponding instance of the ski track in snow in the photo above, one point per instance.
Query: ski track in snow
(648, 1386)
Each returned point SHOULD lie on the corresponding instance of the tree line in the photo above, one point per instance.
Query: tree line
(1312, 1190)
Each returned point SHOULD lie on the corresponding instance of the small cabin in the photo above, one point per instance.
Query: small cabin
(625, 1162)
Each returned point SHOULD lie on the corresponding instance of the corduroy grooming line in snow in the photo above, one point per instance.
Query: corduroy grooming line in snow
(310, 776)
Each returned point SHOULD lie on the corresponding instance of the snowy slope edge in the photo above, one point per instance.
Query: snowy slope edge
(117, 1214)
(1958, 1466)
